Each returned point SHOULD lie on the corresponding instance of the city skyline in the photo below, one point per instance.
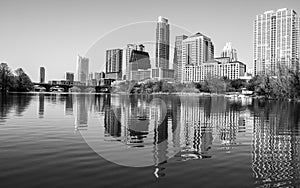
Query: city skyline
(47, 33)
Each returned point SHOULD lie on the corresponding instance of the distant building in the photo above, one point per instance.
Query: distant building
(82, 69)
(129, 49)
(276, 41)
(138, 63)
(196, 50)
(177, 60)
(69, 76)
(162, 74)
(162, 43)
(91, 76)
(102, 75)
(42, 74)
(141, 74)
(114, 64)
(219, 68)
(97, 75)
(230, 52)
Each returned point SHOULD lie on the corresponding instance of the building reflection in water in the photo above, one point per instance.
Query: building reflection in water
(81, 111)
(69, 104)
(41, 105)
(196, 125)
(112, 122)
(276, 144)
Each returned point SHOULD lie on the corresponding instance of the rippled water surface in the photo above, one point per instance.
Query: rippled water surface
(87, 140)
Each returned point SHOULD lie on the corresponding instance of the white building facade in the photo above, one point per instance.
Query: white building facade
(276, 41)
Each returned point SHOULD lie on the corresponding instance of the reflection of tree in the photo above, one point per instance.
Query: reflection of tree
(18, 102)
(22, 102)
(6, 104)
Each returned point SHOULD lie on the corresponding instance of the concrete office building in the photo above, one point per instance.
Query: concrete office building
(218, 68)
(196, 50)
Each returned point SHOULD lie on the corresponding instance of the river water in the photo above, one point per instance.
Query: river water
(93, 140)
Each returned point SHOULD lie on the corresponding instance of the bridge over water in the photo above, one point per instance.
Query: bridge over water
(104, 88)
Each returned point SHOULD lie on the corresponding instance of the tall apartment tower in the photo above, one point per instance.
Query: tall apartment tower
(177, 60)
(276, 41)
(162, 43)
(42, 74)
(113, 68)
(230, 52)
(82, 69)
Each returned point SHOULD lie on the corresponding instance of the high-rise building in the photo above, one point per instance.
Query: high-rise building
(230, 52)
(196, 50)
(129, 50)
(276, 41)
(82, 69)
(114, 64)
(137, 63)
(177, 61)
(42, 74)
(69, 76)
(162, 43)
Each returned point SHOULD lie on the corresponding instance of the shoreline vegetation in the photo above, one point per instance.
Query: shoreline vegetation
(284, 86)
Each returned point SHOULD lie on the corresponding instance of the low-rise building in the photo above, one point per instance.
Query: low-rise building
(219, 67)
(162, 74)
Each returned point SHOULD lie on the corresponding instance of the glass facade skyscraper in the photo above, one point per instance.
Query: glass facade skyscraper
(162, 43)
(82, 69)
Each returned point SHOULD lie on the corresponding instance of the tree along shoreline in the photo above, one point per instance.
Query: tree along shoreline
(284, 86)
(17, 81)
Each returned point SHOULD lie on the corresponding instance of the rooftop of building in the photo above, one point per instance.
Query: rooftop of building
(278, 10)
(198, 34)
(116, 49)
(162, 19)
